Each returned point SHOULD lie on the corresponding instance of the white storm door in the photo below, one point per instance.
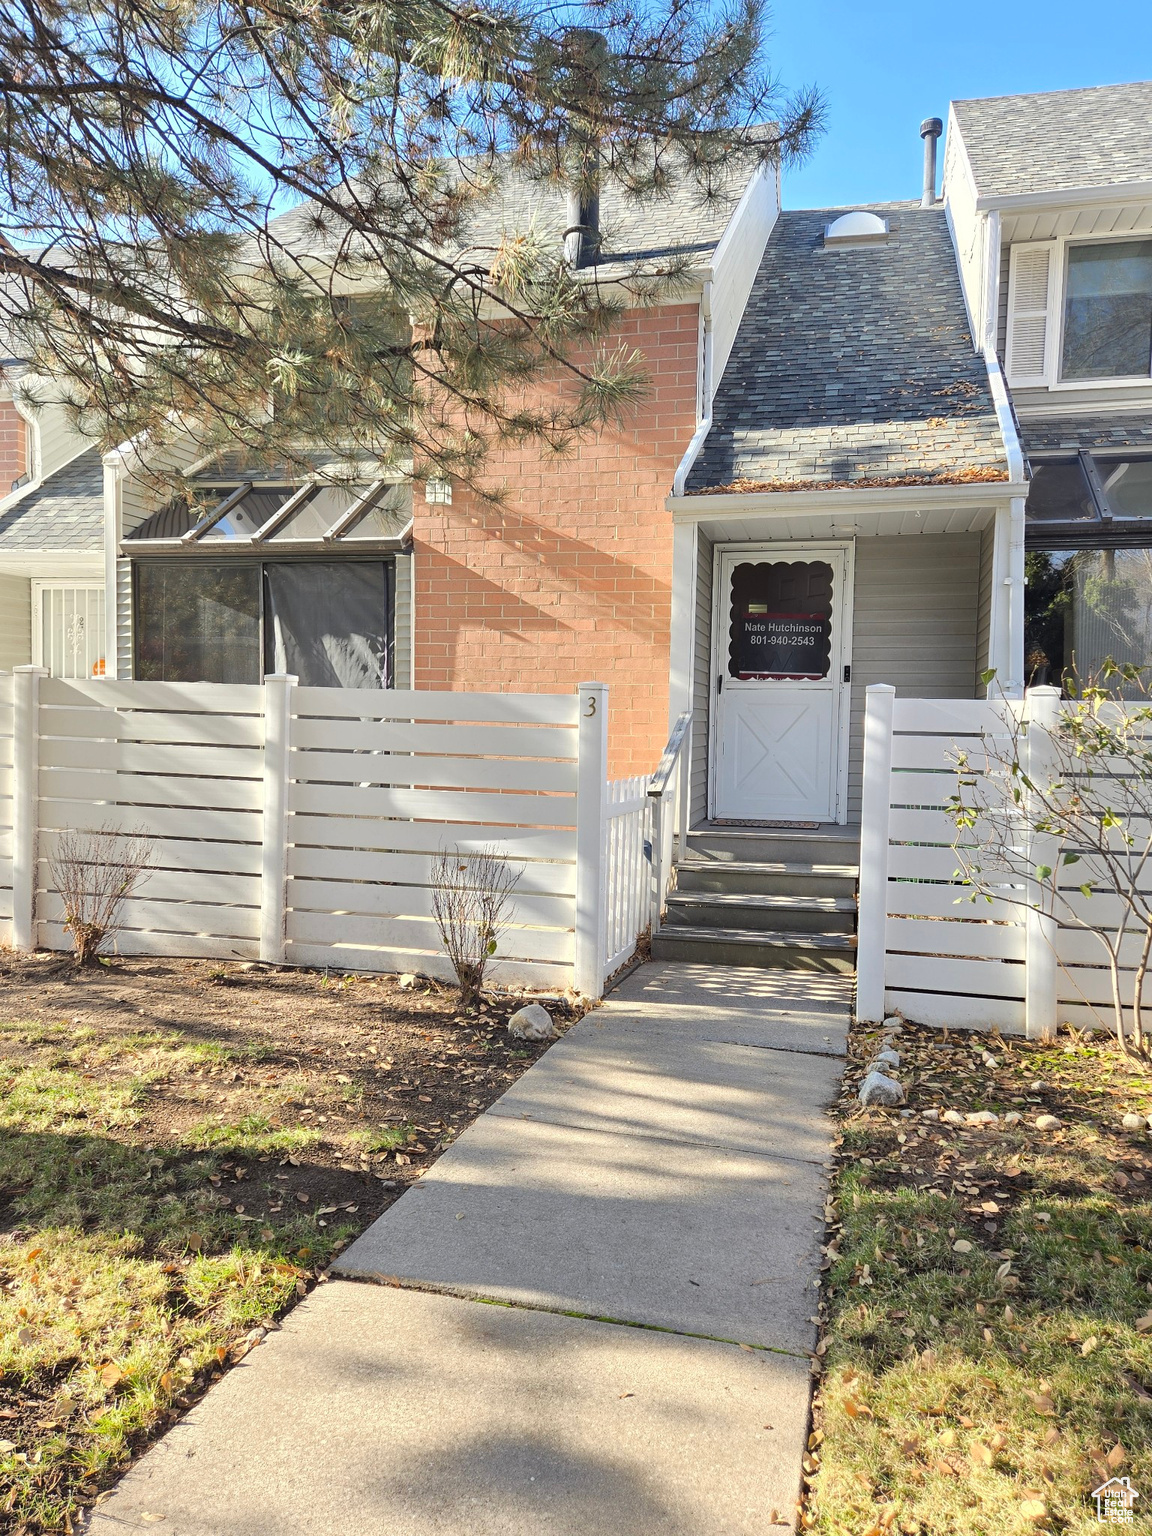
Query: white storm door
(782, 697)
(68, 628)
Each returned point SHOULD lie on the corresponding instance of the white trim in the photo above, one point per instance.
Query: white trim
(725, 504)
(794, 548)
(682, 630)
(1007, 421)
(1020, 252)
(1073, 197)
(83, 565)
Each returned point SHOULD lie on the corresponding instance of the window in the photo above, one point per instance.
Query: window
(328, 622)
(1108, 311)
(1084, 606)
(197, 623)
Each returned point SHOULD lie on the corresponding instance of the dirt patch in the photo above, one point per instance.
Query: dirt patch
(184, 1145)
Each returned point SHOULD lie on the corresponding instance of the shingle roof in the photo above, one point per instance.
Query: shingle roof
(853, 365)
(1058, 140)
(681, 223)
(65, 512)
(1057, 434)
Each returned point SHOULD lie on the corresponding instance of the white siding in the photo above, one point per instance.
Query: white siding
(984, 605)
(914, 626)
(701, 681)
(15, 622)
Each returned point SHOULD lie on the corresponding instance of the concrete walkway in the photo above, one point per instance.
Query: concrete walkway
(663, 1165)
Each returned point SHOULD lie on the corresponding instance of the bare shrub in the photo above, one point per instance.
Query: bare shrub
(471, 896)
(95, 873)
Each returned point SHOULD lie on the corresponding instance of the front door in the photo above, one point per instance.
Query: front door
(781, 676)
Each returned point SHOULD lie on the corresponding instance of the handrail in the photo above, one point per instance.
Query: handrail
(658, 783)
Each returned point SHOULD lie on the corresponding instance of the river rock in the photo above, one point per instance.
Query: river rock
(1013, 1117)
(1047, 1122)
(887, 1058)
(881, 1092)
(532, 1022)
(952, 1117)
(1134, 1122)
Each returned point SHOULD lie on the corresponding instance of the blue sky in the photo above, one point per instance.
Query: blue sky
(885, 65)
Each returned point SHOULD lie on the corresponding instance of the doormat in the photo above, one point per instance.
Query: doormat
(782, 826)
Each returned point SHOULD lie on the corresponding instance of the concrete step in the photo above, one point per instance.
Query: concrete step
(788, 878)
(828, 952)
(784, 913)
(758, 845)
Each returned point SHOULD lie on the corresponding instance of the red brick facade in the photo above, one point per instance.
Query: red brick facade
(570, 580)
(13, 446)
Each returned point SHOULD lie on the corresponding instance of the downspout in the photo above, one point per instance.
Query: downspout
(704, 404)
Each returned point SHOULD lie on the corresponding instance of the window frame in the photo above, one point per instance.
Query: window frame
(256, 559)
(1105, 530)
(1057, 313)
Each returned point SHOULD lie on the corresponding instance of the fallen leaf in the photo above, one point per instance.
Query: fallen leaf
(856, 1410)
(961, 1245)
(948, 1438)
(1033, 1509)
(627, 1394)
(1115, 1457)
(111, 1376)
(147, 1515)
(1142, 1324)
(25, 1335)
(302, 1196)
(1089, 1345)
(981, 1455)
(7, 1445)
(1043, 1404)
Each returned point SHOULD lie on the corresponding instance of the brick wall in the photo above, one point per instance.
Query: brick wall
(570, 580)
(13, 446)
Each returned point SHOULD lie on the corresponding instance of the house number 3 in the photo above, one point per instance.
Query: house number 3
(591, 710)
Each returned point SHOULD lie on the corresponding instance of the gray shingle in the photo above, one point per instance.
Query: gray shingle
(1065, 434)
(682, 222)
(1058, 140)
(65, 512)
(853, 364)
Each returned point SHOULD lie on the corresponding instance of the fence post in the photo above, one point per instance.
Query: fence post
(591, 820)
(274, 854)
(875, 811)
(1040, 929)
(25, 801)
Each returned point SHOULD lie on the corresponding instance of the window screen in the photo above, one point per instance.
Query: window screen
(328, 623)
(1108, 311)
(1083, 607)
(198, 623)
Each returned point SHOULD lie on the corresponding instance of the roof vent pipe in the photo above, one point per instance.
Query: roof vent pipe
(930, 130)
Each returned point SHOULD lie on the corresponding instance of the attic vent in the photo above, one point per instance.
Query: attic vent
(858, 228)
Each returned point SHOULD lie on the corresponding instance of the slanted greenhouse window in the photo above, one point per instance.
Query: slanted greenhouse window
(232, 582)
(1088, 567)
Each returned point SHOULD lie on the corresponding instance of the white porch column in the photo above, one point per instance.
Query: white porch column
(1040, 929)
(1006, 619)
(682, 656)
(274, 854)
(872, 936)
(25, 801)
(591, 942)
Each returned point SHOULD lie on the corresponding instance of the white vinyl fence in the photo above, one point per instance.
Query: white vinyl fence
(297, 825)
(924, 947)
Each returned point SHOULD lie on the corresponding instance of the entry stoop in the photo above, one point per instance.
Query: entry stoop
(755, 896)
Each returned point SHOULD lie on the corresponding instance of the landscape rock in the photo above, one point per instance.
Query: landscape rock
(1134, 1122)
(952, 1117)
(407, 981)
(880, 1091)
(1013, 1117)
(982, 1117)
(886, 1058)
(989, 1060)
(893, 1023)
(929, 1114)
(531, 1023)
(1047, 1122)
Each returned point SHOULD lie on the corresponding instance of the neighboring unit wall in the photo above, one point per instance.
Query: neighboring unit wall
(402, 623)
(701, 680)
(569, 580)
(13, 447)
(914, 625)
(15, 622)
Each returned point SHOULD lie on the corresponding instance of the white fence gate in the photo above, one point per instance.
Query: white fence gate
(298, 825)
(923, 946)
